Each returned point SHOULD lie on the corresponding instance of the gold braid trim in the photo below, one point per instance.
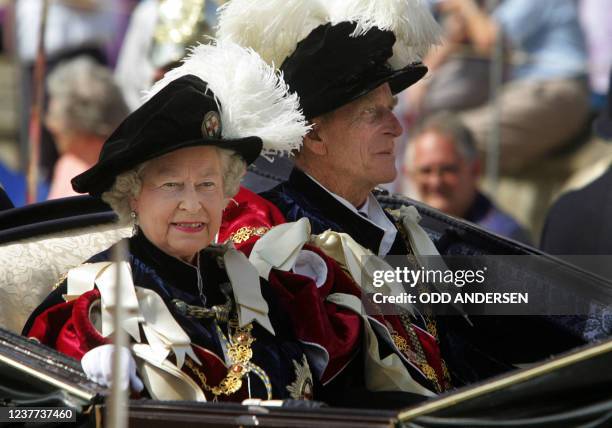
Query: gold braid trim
(61, 279)
(244, 233)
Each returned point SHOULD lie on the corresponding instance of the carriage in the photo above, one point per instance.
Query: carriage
(40, 242)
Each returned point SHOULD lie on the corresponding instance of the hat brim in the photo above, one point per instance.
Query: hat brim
(603, 124)
(101, 176)
(398, 80)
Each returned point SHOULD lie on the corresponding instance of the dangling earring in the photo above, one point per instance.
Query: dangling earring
(134, 223)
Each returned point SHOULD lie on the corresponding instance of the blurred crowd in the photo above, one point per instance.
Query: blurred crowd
(497, 130)
(521, 82)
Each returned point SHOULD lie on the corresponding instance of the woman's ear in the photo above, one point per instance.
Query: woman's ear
(133, 204)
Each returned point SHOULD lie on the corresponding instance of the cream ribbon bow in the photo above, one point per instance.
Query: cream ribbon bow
(143, 306)
(103, 275)
(360, 262)
(247, 290)
(280, 247)
(420, 241)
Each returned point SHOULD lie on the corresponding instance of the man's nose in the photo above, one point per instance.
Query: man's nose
(433, 178)
(396, 128)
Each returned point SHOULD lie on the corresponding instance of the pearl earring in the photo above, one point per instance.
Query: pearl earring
(134, 223)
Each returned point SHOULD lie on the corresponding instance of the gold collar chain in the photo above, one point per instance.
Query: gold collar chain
(239, 352)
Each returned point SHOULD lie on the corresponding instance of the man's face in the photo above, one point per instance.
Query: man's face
(360, 139)
(443, 178)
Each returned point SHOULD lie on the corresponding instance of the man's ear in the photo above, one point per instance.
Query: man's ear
(314, 141)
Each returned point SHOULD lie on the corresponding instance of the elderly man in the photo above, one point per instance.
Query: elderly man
(346, 60)
(346, 71)
(443, 165)
(369, 55)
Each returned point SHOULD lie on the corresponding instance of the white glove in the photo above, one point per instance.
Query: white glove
(310, 264)
(97, 365)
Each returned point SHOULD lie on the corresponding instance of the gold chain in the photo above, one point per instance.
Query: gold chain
(430, 323)
(240, 353)
(416, 355)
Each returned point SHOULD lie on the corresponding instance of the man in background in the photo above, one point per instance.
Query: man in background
(579, 222)
(443, 165)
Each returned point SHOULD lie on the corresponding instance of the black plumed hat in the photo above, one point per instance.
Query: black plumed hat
(223, 95)
(329, 68)
(183, 114)
(334, 51)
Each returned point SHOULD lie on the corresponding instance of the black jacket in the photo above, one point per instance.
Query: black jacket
(301, 197)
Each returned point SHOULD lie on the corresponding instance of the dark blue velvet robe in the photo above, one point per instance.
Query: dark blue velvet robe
(172, 278)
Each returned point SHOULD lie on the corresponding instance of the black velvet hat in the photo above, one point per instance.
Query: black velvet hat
(332, 52)
(183, 114)
(329, 68)
(223, 95)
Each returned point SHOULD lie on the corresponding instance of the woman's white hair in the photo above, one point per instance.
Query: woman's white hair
(128, 185)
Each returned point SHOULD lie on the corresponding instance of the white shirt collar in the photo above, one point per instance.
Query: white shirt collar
(374, 214)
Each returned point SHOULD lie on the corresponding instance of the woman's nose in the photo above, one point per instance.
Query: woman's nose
(190, 200)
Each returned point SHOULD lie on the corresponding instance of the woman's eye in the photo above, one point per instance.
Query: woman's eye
(170, 185)
(207, 184)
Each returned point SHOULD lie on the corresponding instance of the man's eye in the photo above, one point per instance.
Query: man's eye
(370, 111)
(370, 114)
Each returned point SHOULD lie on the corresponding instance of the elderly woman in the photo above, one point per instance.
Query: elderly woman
(203, 326)
(85, 106)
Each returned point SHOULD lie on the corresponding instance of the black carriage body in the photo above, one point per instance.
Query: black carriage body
(580, 379)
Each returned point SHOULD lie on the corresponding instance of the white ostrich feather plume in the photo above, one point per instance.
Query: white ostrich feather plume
(412, 23)
(252, 97)
(273, 28)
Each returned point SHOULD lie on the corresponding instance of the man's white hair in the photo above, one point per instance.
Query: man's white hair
(128, 184)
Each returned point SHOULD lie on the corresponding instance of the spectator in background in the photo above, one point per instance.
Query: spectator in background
(579, 222)
(596, 21)
(85, 107)
(157, 38)
(73, 28)
(545, 101)
(443, 165)
(458, 75)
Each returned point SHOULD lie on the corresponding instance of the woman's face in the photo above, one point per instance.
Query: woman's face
(180, 205)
